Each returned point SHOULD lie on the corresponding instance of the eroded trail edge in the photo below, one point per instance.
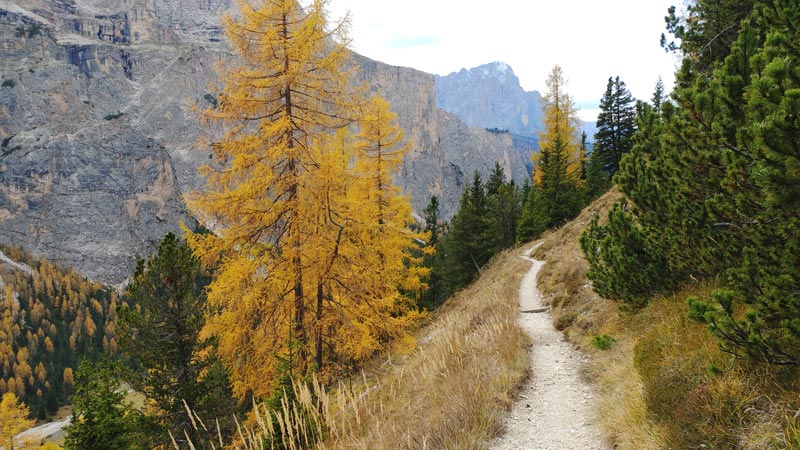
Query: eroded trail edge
(555, 409)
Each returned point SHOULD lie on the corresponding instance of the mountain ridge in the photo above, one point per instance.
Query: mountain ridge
(99, 143)
(490, 96)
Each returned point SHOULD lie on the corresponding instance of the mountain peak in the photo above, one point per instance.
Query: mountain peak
(496, 68)
(490, 96)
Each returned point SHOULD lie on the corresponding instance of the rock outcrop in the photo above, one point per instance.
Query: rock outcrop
(490, 96)
(98, 141)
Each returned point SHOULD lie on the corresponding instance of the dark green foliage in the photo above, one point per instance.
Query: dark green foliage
(8, 82)
(438, 289)
(616, 126)
(484, 225)
(533, 220)
(603, 342)
(706, 32)
(212, 100)
(659, 96)
(597, 179)
(161, 337)
(467, 248)
(114, 116)
(102, 419)
(623, 265)
(555, 199)
(714, 181)
(503, 212)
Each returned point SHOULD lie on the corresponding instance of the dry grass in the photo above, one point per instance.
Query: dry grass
(450, 393)
(453, 391)
(664, 383)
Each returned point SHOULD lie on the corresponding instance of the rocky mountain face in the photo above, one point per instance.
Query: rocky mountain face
(490, 96)
(98, 141)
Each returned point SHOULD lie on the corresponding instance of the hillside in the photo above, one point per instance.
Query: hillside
(662, 380)
(99, 142)
(51, 319)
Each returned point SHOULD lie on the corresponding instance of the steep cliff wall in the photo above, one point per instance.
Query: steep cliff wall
(490, 96)
(98, 142)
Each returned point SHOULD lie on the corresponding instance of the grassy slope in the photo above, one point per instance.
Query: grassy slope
(454, 390)
(664, 383)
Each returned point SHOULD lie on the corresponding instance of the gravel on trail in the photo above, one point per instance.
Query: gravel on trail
(555, 409)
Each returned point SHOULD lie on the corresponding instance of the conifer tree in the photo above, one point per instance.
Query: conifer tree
(503, 202)
(161, 336)
(659, 96)
(556, 195)
(435, 261)
(533, 220)
(710, 181)
(13, 419)
(615, 129)
(622, 249)
(467, 249)
(102, 419)
(758, 316)
(297, 229)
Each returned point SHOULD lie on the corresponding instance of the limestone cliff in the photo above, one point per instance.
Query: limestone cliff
(98, 142)
(490, 96)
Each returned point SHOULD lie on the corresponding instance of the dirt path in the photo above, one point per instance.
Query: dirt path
(555, 409)
(42, 432)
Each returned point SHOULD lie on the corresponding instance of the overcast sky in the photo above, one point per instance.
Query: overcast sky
(590, 39)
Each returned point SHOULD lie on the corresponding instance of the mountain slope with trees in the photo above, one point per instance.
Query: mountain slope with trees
(51, 319)
(703, 246)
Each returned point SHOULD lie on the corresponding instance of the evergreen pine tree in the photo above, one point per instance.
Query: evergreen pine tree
(437, 291)
(161, 336)
(467, 249)
(712, 183)
(503, 213)
(758, 315)
(659, 96)
(556, 194)
(615, 127)
(103, 420)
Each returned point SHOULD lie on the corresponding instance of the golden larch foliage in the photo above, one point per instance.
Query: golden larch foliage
(560, 120)
(294, 289)
(13, 419)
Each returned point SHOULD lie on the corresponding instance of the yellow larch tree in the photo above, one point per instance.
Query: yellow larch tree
(279, 199)
(13, 419)
(387, 213)
(560, 118)
(377, 273)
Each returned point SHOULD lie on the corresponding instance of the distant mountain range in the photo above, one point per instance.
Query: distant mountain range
(490, 96)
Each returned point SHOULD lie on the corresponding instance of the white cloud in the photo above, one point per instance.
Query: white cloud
(591, 40)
